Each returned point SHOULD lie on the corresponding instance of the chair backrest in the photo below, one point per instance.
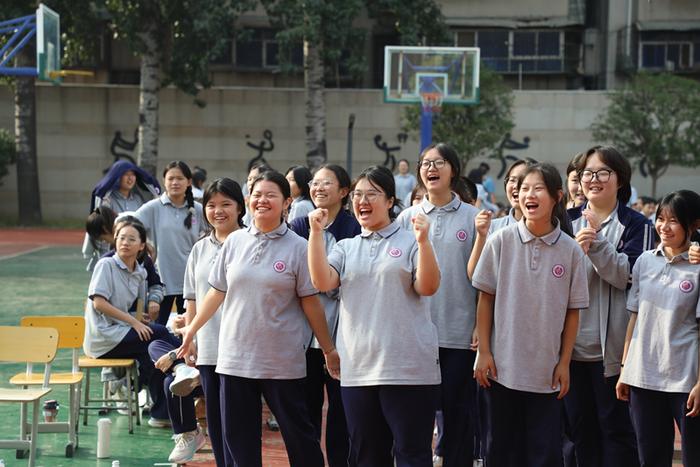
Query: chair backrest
(28, 345)
(71, 331)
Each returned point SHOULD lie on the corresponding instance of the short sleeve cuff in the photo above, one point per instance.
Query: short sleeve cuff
(578, 304)
(484, 287)
(220, 288)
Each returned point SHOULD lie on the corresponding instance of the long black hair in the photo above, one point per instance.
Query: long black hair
(189, 197)
(230, 189)
(382, 178)
(685, 207)
(553, 183)
(302, 176)
(99, 222)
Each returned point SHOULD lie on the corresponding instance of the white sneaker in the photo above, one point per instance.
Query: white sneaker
(117, 390)
(437, 461)
(186, 444)
(186, 379)
(159, 422)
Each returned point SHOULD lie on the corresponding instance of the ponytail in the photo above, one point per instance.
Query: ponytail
(189, 198)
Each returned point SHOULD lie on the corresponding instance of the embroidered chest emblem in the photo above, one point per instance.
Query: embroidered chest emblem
(395, 252)
(279, 266)
(686, 286)
(558, 271)
(461, 235)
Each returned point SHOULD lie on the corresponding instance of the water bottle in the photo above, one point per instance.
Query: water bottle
(104, 426)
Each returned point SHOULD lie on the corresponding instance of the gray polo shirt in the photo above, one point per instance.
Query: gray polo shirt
(501, 222)
(453, 307)
(165, 224)
(385, 334)
(404, 185)
(118, 203)
(113, 281)
(199, 265)
(534, 280)
(300, 207)
(264, 332)
(663, 352)
(331, 299)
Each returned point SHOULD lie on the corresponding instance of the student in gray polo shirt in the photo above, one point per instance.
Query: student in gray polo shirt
(390, 372)
(223, 208)
(532, 281)
(261, 281)
(174, 223)
(453, 307)
(612, 236)
(660, 378)
(111, 331)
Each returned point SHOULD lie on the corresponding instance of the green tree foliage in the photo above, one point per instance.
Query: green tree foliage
(655, 122)
(7, 152)
(473, 130)
(418, 22)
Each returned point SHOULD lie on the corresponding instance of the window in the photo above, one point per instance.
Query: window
(513, 51)
(258, 48)
(666, 55)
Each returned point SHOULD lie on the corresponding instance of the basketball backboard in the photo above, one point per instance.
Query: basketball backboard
(48, 44)
(451, 71)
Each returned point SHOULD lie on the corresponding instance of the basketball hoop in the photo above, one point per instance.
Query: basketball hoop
(431, 101)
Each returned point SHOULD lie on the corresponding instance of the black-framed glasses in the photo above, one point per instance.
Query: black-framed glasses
(437, 163)
(603, 175)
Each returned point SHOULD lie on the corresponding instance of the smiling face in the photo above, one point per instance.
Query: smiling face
(512, 185)
(371, 206)
(127, 181)
(573, 188)
(129, 243)
(535, 201)
(596, 191)
(671, 232)
(326, 191)
(267, 204)
(176, 184)
(222, 213)
(435, 179)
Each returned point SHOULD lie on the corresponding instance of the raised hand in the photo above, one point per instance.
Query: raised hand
(421, 227)
(482, 222)
(318, 218)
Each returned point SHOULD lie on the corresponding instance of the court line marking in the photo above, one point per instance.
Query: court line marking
(26, 252)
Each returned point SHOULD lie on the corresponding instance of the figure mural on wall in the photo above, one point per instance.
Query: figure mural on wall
(122, 148)
(509, 143)
(265, 145)
(389, 159)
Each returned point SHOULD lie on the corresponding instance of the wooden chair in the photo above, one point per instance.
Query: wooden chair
(132, 400)
(71, 330)
(27, 345)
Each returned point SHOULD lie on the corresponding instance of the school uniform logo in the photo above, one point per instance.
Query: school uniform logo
(558, 271)
(279, 266)
(395, 252)
(686, 286)
(461, 235)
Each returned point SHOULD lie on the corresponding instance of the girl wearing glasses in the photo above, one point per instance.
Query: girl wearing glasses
(261, 282)
(299, 178)
(612, 236)
(660, 377)
(453, 307)
(386, 339)
(329, 190)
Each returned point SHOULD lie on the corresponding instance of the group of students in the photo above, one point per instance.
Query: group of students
(514, 329)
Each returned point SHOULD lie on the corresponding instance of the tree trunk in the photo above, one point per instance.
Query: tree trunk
(148, 103)
(28, 196)
(315, 105)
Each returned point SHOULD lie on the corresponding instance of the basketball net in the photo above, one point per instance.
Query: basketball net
(431, 101)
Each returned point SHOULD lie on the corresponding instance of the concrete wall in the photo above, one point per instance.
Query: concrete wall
(674, 10)
(504, 8)
(76, 125)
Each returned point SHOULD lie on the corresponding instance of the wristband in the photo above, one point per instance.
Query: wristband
(172, 355)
